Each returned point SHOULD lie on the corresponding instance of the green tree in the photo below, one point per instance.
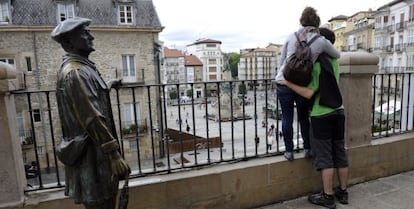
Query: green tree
(173, 94)
(189, 93)
(234, 59)
(242, 88)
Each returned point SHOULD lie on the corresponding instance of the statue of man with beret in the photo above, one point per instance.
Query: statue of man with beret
(89, 148)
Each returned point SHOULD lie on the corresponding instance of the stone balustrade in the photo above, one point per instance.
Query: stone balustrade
(246, 184)
(12, 177)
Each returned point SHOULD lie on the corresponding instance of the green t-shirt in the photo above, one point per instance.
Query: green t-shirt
(317, 109)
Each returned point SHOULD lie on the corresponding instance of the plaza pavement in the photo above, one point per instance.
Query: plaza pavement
(393, 192)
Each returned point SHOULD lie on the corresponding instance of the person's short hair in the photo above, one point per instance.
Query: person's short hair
(328, 34)
(310, 17)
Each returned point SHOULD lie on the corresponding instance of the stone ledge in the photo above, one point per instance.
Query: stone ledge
(252, 183)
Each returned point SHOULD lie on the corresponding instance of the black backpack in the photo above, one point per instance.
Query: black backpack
(299, 66)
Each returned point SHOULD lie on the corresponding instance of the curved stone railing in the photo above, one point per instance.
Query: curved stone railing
(357, 69)
(12, 179)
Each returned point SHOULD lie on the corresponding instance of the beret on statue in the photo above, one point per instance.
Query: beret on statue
(67, 26)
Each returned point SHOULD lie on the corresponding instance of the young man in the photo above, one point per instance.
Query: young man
(327, 127)
(310, 22)
(93, 164)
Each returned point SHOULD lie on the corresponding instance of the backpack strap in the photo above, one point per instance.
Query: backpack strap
(308, 43)
(313, 39)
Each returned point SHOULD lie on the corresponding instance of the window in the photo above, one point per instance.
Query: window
(212, 77)
(411, 13)
(129, 114)
(128, 68)
(7, 60)
(65, 11)
(212, 61)
(4, 12)
(410, 38)
(36, 115)
(133, 145)
(28, 64)
(40, 150)
(125, 14)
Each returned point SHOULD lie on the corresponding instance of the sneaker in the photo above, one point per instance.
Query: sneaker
(308, 154)
(341, 195)
(322, 199)
(288, 156)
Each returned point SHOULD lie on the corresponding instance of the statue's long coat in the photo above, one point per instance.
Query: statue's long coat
(85, 111)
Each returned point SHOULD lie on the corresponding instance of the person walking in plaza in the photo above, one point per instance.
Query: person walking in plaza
(89, 148)
(327, 127)
(310, 22)
(271, 136)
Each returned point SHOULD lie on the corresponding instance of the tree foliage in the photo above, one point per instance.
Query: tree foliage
(242, 89)
(173, 94)
(234, 59)
(189, 93)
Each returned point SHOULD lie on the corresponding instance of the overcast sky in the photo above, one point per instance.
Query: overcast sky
(242, 24)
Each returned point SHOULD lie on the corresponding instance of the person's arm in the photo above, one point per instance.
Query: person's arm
(283, 53)
(330, 49)
(301, 90)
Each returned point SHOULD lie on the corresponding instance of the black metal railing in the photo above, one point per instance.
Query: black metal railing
(393, 103)
(216, 122)
(161, 133)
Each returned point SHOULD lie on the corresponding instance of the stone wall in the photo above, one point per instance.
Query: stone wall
(46, 57)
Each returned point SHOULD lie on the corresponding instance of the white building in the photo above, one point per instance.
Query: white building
(210, 54)
(259, 64)
(394, 45)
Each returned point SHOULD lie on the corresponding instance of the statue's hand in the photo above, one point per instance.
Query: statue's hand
(114, 83)
(118, 165)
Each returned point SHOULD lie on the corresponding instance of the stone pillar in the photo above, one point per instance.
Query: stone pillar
(357, 69)
(12, 177)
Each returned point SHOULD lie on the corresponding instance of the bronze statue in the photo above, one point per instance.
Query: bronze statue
(89, 148)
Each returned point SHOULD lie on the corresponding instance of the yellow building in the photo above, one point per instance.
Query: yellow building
(338, 26)
(359, 32)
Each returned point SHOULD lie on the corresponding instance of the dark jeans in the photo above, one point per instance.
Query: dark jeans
(287, 98)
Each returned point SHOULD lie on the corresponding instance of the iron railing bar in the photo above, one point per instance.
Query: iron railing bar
(52, 135)
(151, 128)
(134, 103)
(29, 100)
(219, 115)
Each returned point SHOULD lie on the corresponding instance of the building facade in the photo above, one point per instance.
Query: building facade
(179, 67)
(209, 53)
(338, 25)
(259, 64)
(125, 31)
(359, 34)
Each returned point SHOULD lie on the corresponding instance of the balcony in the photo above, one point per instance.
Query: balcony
(389, 48)
(399, 47)
(401, 26)
(391, 28)
(231, 171)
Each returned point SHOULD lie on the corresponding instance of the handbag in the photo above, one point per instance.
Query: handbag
(69, 151)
